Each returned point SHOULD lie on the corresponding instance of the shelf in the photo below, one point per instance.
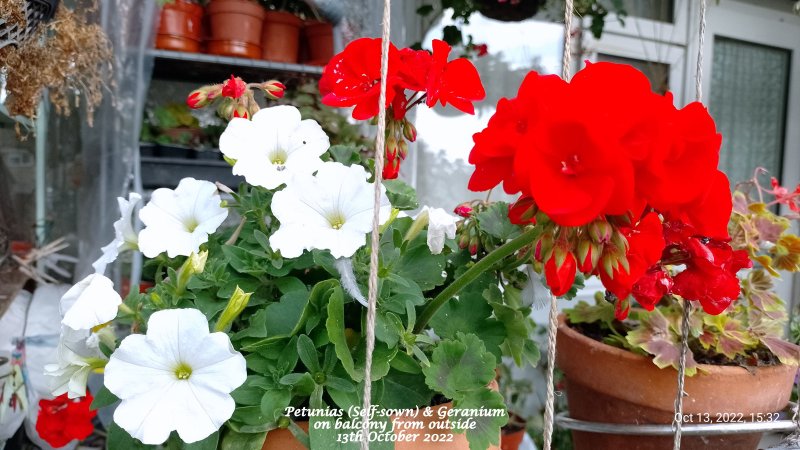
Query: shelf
(203, 68)
(167, 172)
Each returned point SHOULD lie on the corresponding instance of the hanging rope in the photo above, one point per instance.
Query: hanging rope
(373, 259)
(677, 421)
(552, 328)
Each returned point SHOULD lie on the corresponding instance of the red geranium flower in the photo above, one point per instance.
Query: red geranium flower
(62, 420)
(234, 87)
(352, 78)
(646, 244)
(456, 82)
(560, 278)
(652, 287)
(414, 68)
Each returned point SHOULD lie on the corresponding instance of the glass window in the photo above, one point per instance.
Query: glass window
(748, 100)
(657, 73)
(660, 10)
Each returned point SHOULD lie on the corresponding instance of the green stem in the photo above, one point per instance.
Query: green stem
(472, 273)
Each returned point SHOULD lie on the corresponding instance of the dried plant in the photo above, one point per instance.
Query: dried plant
(13, 12)
(68, 56)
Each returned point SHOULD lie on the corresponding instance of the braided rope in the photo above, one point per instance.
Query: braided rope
(552, 328)
(373, 259)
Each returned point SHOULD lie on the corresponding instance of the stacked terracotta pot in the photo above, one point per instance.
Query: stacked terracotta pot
(243, 28)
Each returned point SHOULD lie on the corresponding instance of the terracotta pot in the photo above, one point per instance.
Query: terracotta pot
(433, 426)
(235, 28)
(319, 42)
(280, 38)
(611, 385)
(511, 440)
(180, 26)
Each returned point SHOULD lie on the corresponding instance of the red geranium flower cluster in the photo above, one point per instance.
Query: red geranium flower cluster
(602, 160)
(352, 79)
(62, 420)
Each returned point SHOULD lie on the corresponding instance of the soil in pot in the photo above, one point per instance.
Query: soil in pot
(180, 26)
(609, 385)
(280, 38)
(235, 28)
(318, 40)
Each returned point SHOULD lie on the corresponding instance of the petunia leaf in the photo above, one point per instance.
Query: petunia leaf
(233, 440)
(209, 443)
(335, 327)
(120, 439)
(308, 353)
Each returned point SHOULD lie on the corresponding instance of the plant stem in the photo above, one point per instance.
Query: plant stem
(472, 273)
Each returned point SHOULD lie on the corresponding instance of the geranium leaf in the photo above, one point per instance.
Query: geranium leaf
(486, 431)
(459, 365)
(401, 195)
(470, 313)
(655, 336)
(786, 352)
(404, 390)
(494, 221)
(419, 265)
(585, 313)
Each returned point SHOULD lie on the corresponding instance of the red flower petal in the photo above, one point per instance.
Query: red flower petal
(560, 279)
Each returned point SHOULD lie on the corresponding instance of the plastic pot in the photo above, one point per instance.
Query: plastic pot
(609, 385)
(280, 38)
(509, 11)
(180, 27)
(319, 42)
(235, 28)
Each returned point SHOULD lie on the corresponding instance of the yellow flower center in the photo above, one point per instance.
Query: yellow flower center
(191, 225)
(183, 371)
(336, 220)
(278, 158)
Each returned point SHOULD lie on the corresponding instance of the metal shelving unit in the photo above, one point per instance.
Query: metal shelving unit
(203, 68)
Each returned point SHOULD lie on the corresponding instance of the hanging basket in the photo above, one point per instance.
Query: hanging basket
(509, 10)
(35, 12)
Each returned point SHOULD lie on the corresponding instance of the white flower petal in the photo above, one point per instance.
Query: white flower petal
(91, 302)
(144, 373)
(179, 221)
(441, 226)
(331, 210)
(125, 237)
(273, 147)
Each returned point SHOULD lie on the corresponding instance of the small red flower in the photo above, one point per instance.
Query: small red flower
(456, 82)
(391, 168)
(62, 420)
(234, 87)
(561, 278)
(464, 210)
(652, 287)
(646, 244)
(352, 78)
(414, 68)
(481, 50)
(783, 196)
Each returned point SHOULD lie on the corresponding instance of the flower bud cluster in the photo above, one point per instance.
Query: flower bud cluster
(399, 132)
(234, 98)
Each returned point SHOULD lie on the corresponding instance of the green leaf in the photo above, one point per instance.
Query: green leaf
(419, 265)
(248, 394)
(404, 390)
(401, 195)
(325, 435)
(459, 365)
(283, 317)
(494, 221)
(274, 403)
(308, 353)
(405, 363)
(302, 383)
(486, 431)
(241, 441)
(518, 326)
(209, 443)
(585, 313)
(345, 154)
(335, 327)
(103, 398)
(119, 439)
(340, 384)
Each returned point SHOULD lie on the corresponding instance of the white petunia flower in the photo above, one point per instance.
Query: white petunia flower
(441, 226)
(91, 302)
(179, 221)
(78, 354)
(331, 210)
(177, 377)
(273, 146)
(125, 237)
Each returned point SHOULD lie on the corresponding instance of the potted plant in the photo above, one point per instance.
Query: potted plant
(174, 129)
(280, 39)
(741, 369)
(236, 27)
(255, 328)
(317, 42)
(180, 26)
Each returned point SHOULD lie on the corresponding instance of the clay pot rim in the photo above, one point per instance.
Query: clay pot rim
(274, 15)
(620, 353)
(248, 7)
